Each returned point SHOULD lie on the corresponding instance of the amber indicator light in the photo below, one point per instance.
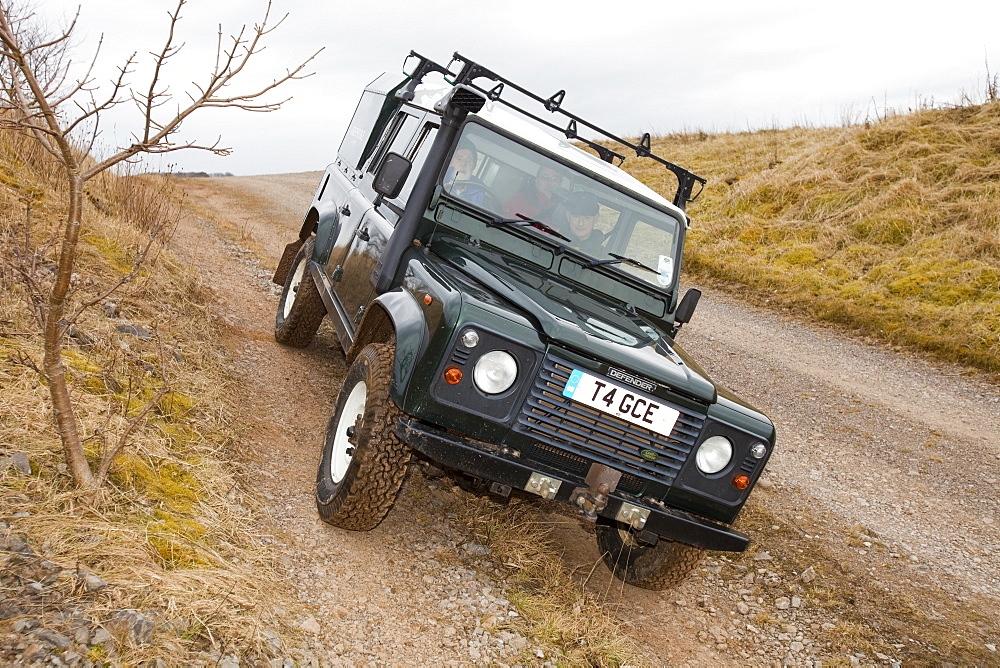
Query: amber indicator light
(453, 375)
(428, 299)
(742, 481)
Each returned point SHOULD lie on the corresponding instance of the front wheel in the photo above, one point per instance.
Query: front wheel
(659, 566)
(300, 308)
(363, 462)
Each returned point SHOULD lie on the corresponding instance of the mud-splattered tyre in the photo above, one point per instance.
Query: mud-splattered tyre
(659, 566)
(363, 462)
(300, 308)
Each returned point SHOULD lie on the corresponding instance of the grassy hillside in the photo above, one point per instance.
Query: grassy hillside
(890, 228)
(171, 535)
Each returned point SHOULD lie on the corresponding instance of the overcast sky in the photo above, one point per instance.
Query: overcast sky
(630, 66)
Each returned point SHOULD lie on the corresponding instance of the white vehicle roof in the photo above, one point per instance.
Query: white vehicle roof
(427, 96)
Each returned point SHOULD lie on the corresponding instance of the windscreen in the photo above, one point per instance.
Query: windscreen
(512, 182)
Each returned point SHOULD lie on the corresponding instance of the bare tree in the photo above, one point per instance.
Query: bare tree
(39, 95)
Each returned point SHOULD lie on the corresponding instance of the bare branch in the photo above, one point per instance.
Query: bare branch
(19, 64)
(137, 264)
(108, 459)
(36, 90)
(62, 39)
(160, 59)
(229, 63)
(24, 359)
(113, 99)
(82, 81)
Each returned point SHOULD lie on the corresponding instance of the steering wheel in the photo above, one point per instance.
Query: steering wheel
(477, 193)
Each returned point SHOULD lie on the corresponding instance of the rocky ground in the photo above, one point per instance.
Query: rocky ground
(875, 536)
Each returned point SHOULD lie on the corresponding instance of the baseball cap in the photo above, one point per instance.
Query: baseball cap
(582, 203)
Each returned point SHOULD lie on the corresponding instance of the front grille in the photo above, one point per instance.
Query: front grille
(577, 465)
(584, 434)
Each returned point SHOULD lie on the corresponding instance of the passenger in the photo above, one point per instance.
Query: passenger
(460, 178)
(581, 215)
(537, 198)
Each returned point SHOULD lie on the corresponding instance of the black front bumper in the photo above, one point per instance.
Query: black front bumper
(461, 454)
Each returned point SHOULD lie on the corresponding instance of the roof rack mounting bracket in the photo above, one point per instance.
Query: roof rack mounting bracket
(607, 155)
(423, 67)
(570, 130)
(645, 147)
(554, 102)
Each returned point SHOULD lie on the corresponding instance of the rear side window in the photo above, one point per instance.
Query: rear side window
(361, 127)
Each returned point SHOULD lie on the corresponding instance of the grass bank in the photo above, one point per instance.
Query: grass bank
(891, 228)
(164, 562)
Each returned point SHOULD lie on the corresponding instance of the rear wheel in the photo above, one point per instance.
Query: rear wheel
(300, 308)
(363, 462)
(659, 566)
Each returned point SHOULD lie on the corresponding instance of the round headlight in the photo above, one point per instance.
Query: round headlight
(495, 372)
(714, 454)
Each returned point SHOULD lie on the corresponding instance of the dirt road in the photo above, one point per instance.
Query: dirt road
(875, 529)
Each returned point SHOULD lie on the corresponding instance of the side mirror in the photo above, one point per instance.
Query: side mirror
(391, 175)
(687, 306)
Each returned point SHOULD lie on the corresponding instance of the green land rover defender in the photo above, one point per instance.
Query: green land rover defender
(507, 298)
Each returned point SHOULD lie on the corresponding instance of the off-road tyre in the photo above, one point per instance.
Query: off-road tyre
(661, 566)
(300, 308)
(363, 462)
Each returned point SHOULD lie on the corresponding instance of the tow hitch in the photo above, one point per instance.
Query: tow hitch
(601, 480)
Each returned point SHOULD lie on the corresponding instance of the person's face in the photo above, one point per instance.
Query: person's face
(463, 164)
(581, 226)
(546, 179)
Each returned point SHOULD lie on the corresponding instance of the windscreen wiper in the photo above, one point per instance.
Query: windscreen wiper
(621, 259)
(531, 222)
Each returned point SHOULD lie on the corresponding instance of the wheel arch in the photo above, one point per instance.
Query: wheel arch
(394, 317)
(325, 221)
(309, 225)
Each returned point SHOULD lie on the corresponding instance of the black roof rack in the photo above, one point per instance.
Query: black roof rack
(470, 71)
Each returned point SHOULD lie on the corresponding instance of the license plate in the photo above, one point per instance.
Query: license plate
(622, 402)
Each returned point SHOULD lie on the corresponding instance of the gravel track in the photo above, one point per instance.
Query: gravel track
(885, 473)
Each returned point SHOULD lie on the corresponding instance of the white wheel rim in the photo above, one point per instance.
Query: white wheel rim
(293, 288)
(628, 540)
(342, 453)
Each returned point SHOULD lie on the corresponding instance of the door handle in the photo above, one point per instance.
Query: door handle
(345, 210)
(363, 235)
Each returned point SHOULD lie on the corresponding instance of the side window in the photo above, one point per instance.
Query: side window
(361, 127)
(418, 155)
(396, 139)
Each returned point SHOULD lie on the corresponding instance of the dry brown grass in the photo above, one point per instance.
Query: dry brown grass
(172, 532)
(556, 611)
(892, 229)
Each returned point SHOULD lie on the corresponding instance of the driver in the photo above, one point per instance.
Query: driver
(581, 216)
(460, 179)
